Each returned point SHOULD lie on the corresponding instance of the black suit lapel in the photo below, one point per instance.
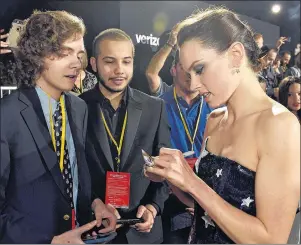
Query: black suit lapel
(34, 118)
(134, 109)
(100, 133)
(97, 135)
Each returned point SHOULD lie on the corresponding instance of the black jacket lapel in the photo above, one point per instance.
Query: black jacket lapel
(101, 136)
(97, 135)
(134, 109)
(35, 120)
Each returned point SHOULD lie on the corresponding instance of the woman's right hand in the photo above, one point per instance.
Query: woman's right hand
(153, 177)
(172, 166)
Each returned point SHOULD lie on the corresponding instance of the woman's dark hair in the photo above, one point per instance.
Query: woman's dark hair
(43, 35)
(284, 88)
(218, 28)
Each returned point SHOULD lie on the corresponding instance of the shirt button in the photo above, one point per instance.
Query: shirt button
(66, 217)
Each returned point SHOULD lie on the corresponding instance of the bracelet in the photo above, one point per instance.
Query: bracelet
(170, 45)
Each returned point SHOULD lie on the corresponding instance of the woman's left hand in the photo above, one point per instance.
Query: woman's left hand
(171, 165)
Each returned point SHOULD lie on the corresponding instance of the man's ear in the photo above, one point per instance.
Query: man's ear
(173, 71)
(93, 64)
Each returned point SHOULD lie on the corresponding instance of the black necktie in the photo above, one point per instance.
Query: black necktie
(66, 172)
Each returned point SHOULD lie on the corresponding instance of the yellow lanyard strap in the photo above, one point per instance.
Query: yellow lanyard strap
(118, 147)
(184, 122)
(81, 89)
(63, 138)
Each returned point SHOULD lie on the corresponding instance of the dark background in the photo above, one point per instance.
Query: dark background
(99, 15)
(145, 17)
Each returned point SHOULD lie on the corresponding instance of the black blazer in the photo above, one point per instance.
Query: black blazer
(34, 205)
(147, 129)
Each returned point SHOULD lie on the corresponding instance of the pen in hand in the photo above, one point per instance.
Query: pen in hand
(149, 160)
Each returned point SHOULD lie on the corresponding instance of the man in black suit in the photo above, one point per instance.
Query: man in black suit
(122, 121)
(45, 187)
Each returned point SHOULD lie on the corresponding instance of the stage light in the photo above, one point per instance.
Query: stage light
(276, 8)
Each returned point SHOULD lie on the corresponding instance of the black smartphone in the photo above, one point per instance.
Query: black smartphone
(129, 221)
(100, 238)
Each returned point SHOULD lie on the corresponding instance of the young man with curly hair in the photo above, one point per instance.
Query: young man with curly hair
(45, 189)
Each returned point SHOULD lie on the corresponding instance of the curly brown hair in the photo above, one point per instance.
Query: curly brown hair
(43, 35)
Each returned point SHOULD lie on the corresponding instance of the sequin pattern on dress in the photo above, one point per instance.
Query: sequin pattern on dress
(230, 180)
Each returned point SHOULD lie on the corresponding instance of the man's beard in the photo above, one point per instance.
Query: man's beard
(102, 82)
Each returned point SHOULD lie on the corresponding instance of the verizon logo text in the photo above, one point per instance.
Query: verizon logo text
(153, 41)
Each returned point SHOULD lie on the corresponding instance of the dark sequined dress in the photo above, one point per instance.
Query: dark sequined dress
(233, 182)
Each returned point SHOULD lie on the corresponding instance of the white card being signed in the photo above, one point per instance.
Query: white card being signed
(149, 161)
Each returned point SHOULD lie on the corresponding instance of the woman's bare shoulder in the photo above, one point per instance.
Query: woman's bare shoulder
(276, 123)
(277, 114)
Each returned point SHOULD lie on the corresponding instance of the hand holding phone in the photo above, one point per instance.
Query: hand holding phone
(148, 217)
(129, 221)
(100, 238)
(73, 236)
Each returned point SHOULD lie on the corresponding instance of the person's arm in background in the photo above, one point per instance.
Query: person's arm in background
(280, 42)
(157, 62)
